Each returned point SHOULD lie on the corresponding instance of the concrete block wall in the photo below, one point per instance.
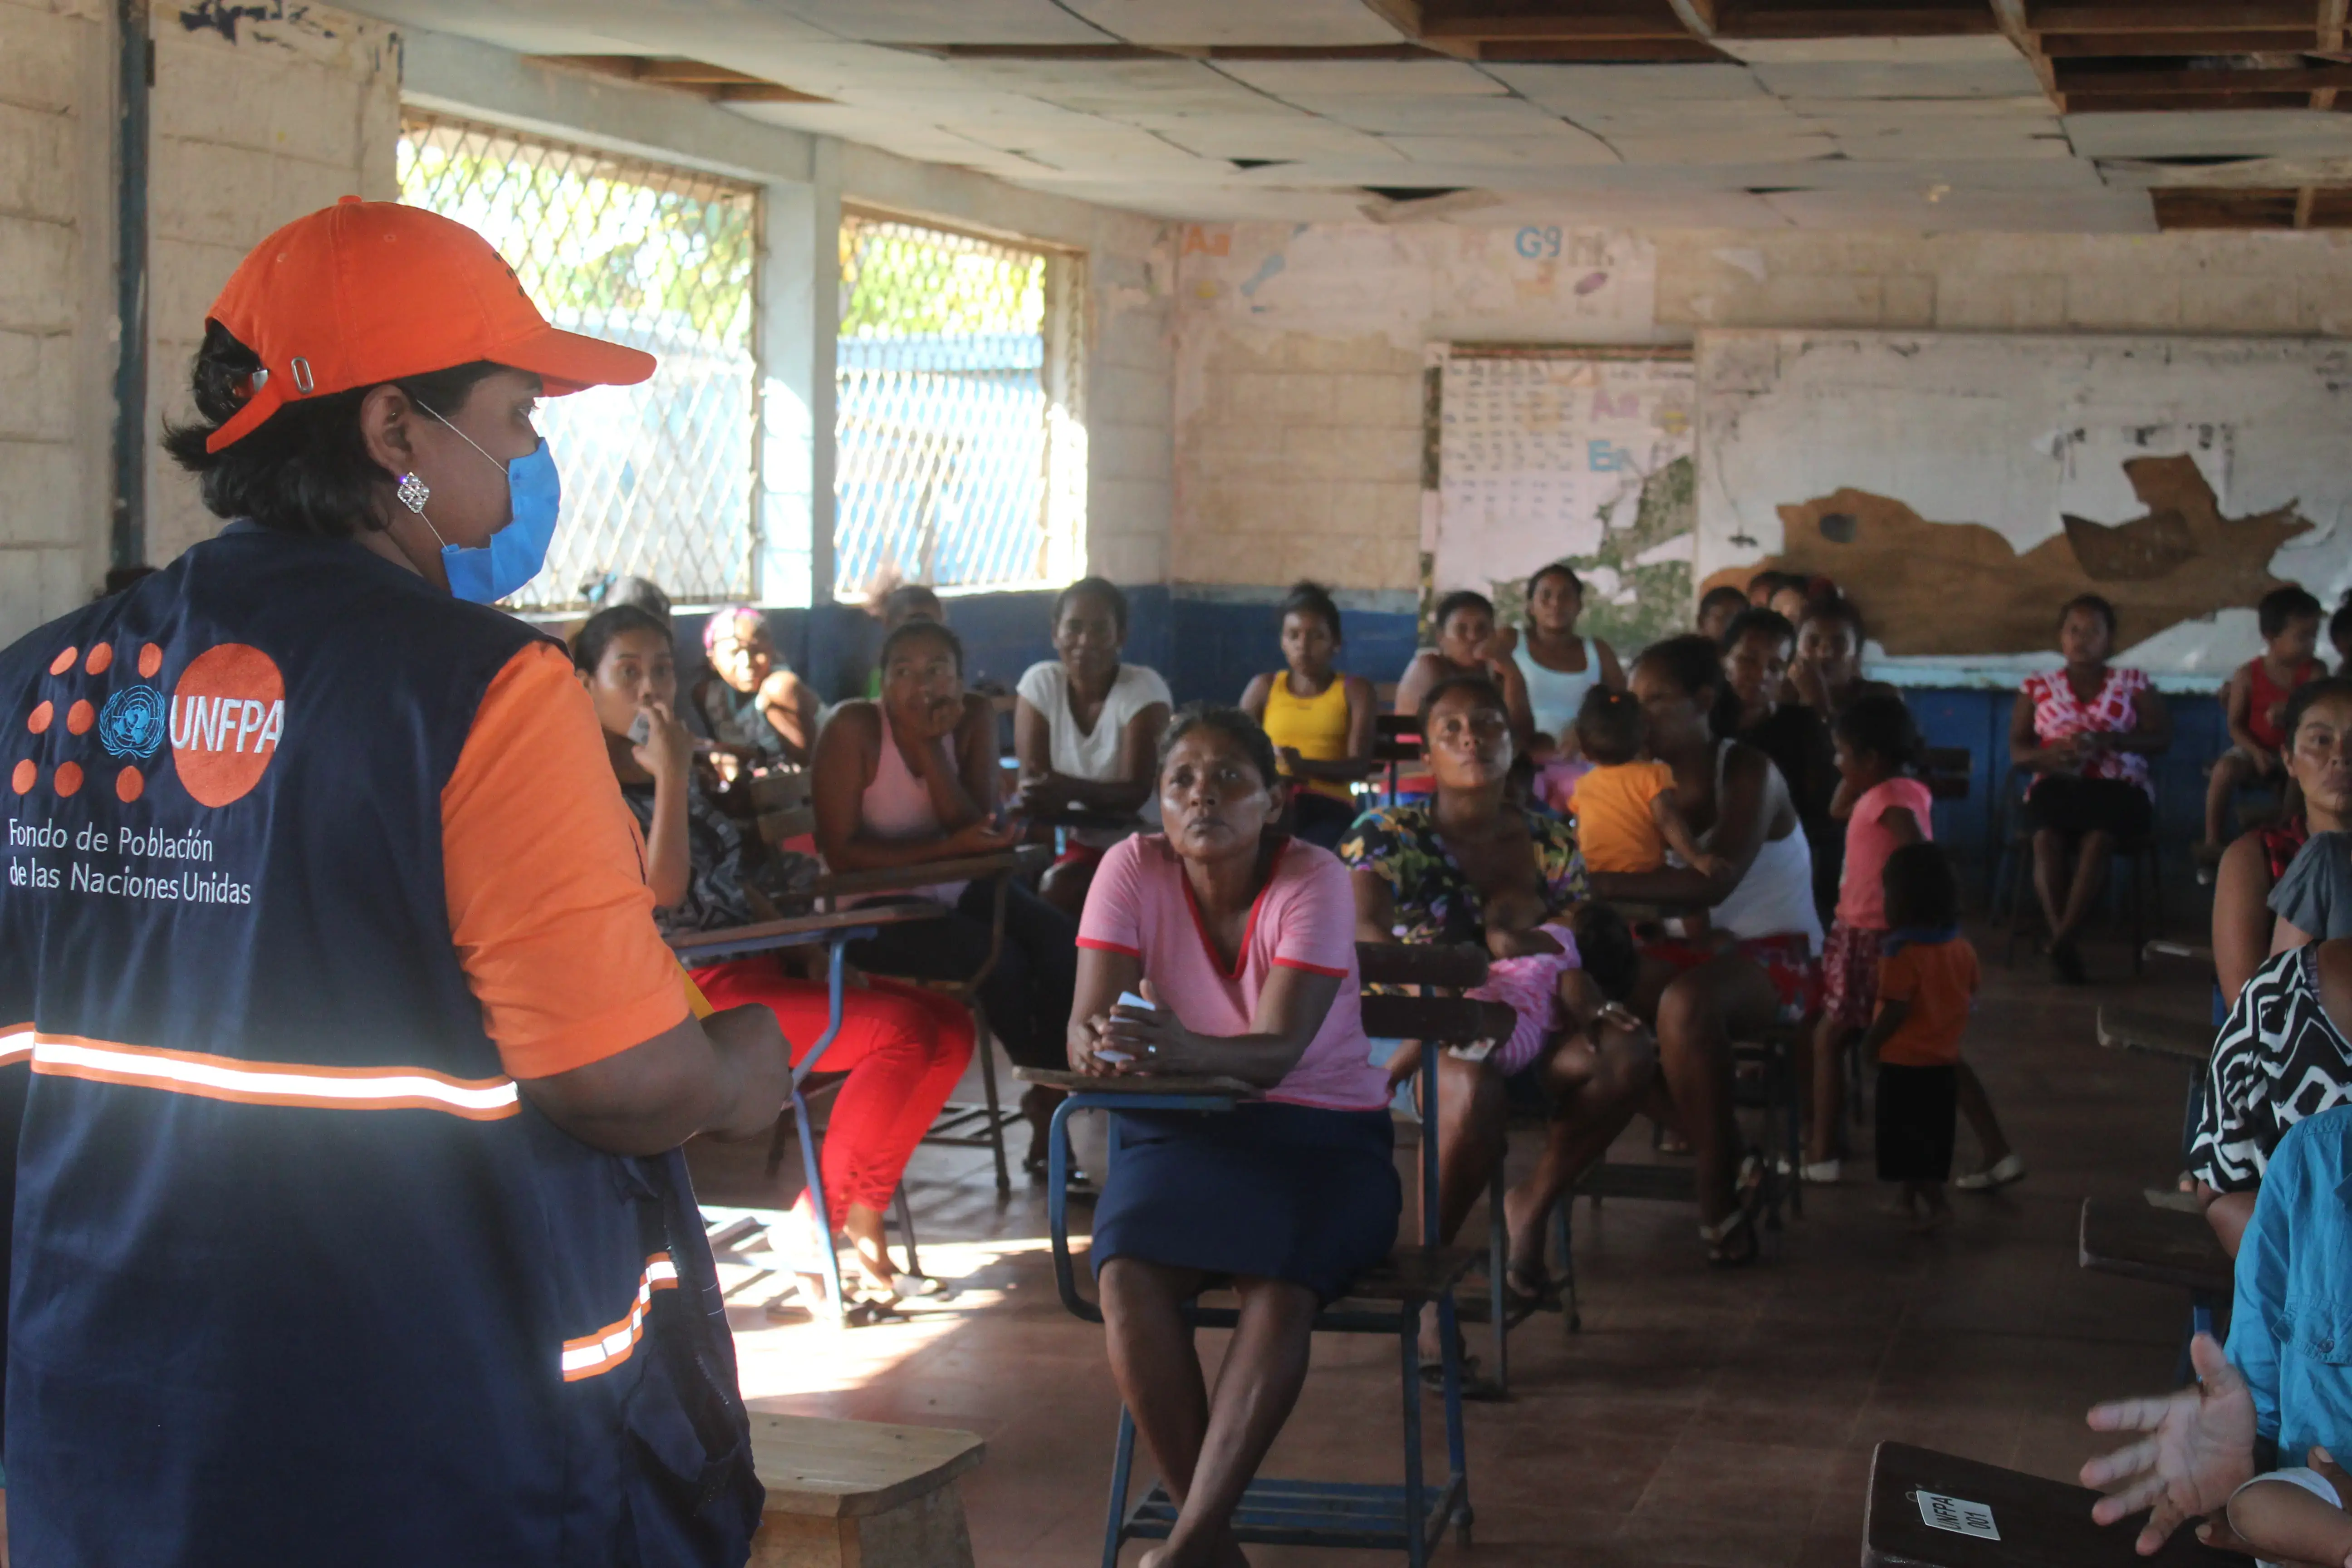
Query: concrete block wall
(57, 244)
(1298, 427)
(254, 123)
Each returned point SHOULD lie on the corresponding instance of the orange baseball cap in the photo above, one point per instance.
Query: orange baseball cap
(365, 292)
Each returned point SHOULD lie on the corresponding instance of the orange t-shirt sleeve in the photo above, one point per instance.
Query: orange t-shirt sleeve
(545, 873)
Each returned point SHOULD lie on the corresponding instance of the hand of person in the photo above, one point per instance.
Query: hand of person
(1504, 641)
(1041, 796)
(1289, 757)
(980, 838)
(2266, 761)
(667, 748)
(1083, 1046)
(1155, 1038)
(1711, 867)
(937, 718)
(1403, 1064)
(2202, 1450)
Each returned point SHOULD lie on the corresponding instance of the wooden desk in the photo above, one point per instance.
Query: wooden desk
(1407, 963)
(2131, 1238)
(963, 868)
(2041, 1523)
(1173, 1084)
(2156, 1033)
(766, 936)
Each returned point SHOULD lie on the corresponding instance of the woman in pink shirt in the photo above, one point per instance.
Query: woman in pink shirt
(1244, 943)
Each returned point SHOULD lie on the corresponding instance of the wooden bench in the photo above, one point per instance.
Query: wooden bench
(860, 1494)
(2040, 1523)
(2156, 1033)
(2136, 1240)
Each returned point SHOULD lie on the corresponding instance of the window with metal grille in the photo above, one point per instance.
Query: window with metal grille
(959, 456)
(658, 480)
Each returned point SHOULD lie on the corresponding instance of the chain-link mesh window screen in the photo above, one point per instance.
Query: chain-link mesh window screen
(940, 460)
(658, 479)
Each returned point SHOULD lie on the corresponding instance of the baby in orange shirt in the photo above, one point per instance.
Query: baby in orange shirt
(1626, 817)
(1927, 987)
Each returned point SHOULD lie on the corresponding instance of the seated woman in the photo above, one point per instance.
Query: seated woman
(1716, 610)
(2085, 733)
(1757, 649)
(907, 601)
(757, 710)
(1086, 728)
(912, 778)
(1320, 722)
(1558, 667)
(2253, 880)
(1762, 898)
(1244, 944)
(1468, 644)
(903, 1049)
(1433, 873)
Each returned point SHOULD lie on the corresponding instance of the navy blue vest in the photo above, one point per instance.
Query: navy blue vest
(297, 1275)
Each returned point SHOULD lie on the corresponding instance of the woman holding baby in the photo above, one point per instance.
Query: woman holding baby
(1240, 943)
(1471, 865)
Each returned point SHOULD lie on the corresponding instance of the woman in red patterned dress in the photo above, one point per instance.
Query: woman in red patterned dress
(2085, 732)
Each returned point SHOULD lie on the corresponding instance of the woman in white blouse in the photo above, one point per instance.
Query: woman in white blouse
(1087, 731)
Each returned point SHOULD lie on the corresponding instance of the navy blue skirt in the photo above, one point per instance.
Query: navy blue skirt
(1266, 1191)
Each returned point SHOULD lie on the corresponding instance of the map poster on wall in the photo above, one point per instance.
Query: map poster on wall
(1549, 453)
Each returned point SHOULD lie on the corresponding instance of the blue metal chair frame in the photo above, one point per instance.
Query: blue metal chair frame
(1293, 1513)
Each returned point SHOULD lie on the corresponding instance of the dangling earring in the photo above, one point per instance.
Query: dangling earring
(414, 493)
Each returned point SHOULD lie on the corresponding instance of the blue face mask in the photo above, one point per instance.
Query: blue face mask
(485, 573)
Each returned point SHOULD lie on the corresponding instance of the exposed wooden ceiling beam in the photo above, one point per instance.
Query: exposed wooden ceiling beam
(2208, 16)
(1814, 19)
(2155, 102)
(1601, 51)
(2303, 203)
(2063, 46)
(2099, 76)
(717, 83)
(1484, 23)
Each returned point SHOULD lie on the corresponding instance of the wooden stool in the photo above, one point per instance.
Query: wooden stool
(859, 1494)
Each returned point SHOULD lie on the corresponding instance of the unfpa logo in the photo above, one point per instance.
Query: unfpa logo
(224, 721)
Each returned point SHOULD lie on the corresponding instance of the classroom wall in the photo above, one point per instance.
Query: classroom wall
(1299, 348)
(254, 121)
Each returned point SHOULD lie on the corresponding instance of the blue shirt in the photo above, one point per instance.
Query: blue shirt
(2291, 1331)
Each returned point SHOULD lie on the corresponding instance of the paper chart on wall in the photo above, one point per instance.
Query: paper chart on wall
(1567, 454)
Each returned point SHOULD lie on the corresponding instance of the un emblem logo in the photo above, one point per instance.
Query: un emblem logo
(131, 722)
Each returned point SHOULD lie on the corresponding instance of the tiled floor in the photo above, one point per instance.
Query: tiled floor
(1701, 1417)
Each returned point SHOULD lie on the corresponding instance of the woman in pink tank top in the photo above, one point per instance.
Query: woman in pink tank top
(910, 778)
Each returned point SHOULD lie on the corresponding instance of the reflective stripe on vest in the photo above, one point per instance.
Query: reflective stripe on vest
(260, 1083)
(608, 1348)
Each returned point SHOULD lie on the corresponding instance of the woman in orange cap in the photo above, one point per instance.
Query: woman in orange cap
(348, 1199)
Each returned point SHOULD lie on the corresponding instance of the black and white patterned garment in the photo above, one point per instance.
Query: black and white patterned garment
(2278, 1060)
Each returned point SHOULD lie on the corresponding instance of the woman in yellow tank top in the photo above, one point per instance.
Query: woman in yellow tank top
(1319, 720)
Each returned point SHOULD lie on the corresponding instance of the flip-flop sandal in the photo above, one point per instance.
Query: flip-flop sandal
(1731, 1241)
(1521, 1297)
(908, 1286)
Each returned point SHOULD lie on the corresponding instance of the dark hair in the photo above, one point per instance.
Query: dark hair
(2340, 627)
(2281, 605)
(2093, 603)
(1102, 588)
(1881, 726)
(1311, 599)
(1608, 726)
(1483, 685)
(1726, 594)
(1920, 888)
(613, 588)
(1605, 950)
(1557, 568)
(908, 597)
(1837, 607)
(1696, 664)
(589, 643)
(1756, 619)
(305, 469)
(1230, 721)
(2309, 695)
(1772, 581)
(1458, 600)
(915, 630)
(119, 578)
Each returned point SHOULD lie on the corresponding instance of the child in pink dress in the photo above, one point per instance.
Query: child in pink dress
(1555, 971)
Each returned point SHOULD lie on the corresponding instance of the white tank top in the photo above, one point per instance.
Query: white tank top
(1554, 697)
(1776, 897)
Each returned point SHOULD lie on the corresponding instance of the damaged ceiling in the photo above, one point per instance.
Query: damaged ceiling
(2017, 115)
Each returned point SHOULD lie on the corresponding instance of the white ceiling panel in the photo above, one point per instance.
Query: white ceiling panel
(1725, 147)
(2122, 212)
(2248, 132)
(1504, 152)
(1303, 79)
(1575, 86)
(1118, 87)
(1265, 137)
(1294, 22)
(2007, 76)
(946, 21)
(1440, 116)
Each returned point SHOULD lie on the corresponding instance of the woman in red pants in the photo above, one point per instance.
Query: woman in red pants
(903, 1049)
